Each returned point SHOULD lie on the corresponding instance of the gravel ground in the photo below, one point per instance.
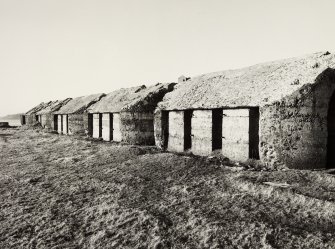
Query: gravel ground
(72, 192)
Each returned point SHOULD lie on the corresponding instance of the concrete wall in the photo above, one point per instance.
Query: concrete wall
(294, 130)
(96, 125)
(78, 123)
(117, 136)
(235, 134)
(106, 126)
(30, 119)
(47, 121)
(65, 124)
(137, 128)
(202, 132)
(176, 131)
(60, 124)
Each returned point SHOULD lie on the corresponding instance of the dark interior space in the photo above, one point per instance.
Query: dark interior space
(217, 129)
(100, 124)
(187, 129)
(331, 134)
(61, 123)
(165, 128)
(111, 126)
(90, 124)
(254, 133)
(23, 120)
(67, 124)
(55, 122)
(36, 117)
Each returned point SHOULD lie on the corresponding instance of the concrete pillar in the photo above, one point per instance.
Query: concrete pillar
(235, 134)
(60, 124)
(116, 127)
(96, 125)
(65, 124)
(176, 131)
(106, 127)
(202, 132)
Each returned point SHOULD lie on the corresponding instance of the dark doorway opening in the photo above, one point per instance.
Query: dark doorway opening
(23, 120)
(90, 124)
(61, 123)
(331, 134)
(36, 118)
(55, 122)
(187, 129)
(254, 133)
(67, 124)
(165, 129)
(110, 126)
(100, 124)
(217, 129)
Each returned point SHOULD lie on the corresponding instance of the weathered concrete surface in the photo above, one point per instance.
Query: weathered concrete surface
(78, 123)
(106, 126)
(47, 121)
(235, 134)
(65, 124)
(176, 131)
(294, 131)
(60, 124)
(96, 125)
(202, 132)
(117, 136)
(137, 128)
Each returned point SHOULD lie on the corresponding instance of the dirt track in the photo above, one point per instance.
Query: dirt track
(69, 192)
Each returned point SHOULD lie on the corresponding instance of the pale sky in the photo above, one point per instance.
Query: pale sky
(53, 49)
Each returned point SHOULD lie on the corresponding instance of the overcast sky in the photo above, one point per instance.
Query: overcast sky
(53, 49)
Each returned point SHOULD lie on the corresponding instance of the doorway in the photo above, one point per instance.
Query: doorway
(90, 125)
(187, 129)
(55, 122)
(100, 125)
(110, 126)
(331, 133)
(217, 129)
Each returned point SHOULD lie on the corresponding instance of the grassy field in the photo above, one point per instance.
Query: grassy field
(71, 192)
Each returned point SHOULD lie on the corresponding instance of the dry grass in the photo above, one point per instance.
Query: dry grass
(70, 192)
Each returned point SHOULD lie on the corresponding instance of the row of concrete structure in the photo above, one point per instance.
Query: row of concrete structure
(280, 112)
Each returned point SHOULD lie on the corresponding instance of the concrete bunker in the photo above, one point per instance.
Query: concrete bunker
(46, 115)
(73, 117)
(234, 132)
(127, 114)
(280, 112)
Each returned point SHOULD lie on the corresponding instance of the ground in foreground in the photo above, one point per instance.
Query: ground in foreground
(71, 192)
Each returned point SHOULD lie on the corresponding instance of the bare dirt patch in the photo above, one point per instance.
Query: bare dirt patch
(71, 192)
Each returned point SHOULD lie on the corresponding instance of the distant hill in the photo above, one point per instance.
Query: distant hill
(12, 116)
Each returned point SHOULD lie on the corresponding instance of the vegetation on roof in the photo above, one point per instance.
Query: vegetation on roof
(251, 86)
(140, 98)
(79, 104)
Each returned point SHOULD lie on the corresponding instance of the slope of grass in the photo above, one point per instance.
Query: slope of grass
(71, 192)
